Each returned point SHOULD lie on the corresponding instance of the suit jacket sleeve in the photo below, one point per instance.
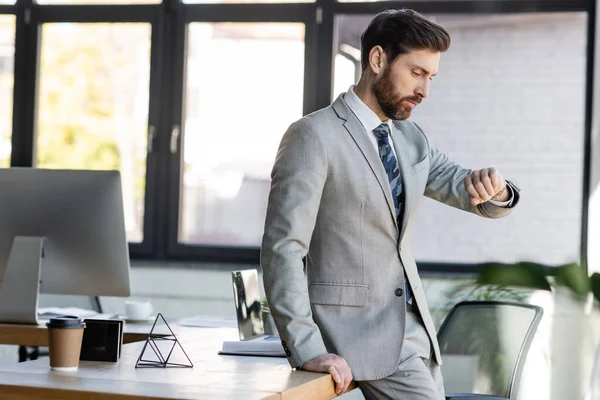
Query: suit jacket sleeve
(297, 182)
(446, 184)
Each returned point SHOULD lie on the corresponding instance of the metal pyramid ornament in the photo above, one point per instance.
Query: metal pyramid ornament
(159, 349)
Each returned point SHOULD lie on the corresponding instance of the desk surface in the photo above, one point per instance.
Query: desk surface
(37, 335)
(213, 376)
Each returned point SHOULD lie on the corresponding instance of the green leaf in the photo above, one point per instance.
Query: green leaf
(573, 277)
(523, 274)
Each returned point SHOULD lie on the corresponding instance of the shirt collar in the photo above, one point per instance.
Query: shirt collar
(365, 115)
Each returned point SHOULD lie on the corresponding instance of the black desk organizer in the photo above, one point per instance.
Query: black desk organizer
(152, 344)
(102, 339)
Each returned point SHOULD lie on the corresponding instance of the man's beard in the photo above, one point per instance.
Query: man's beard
(392, 107)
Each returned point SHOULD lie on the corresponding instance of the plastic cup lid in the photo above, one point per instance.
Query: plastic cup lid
(65, 321)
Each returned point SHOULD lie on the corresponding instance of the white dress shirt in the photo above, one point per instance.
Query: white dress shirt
(370, 121)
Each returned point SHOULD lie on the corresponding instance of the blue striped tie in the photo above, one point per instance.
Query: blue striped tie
(390, 164)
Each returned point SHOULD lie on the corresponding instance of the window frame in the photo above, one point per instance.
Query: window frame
(235, 13)
(31, 18)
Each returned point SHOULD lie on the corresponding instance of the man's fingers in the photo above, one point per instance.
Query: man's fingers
(496, 179)
(345, 370)
(337, 378)
(341, 374)
(481, 190)
(488, 185)
(483, 184)
(336, 366)
(347, 379)
(480, 187)
(471, 183)
(470, 188)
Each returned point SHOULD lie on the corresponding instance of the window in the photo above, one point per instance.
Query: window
(244, 87)
(510, 94)
(93, 105)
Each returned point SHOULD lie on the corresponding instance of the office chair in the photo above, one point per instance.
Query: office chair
(484, 345)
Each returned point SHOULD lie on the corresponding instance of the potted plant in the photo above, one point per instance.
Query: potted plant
(536, 276)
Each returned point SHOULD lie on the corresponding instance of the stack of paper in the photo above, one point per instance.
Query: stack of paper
(49, 312)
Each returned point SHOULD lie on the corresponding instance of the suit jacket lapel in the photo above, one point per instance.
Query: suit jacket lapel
(401, 146)
(357, 131)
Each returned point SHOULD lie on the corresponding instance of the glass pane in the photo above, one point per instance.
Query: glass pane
(510, 94)
(245, 1)
(93, 105)
(7, 64)
(238, 105)
(101, 2)
(458, 1)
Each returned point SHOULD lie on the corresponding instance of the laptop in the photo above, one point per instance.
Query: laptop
(246, 300)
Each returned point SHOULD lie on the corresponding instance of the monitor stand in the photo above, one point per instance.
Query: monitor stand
(20, 286)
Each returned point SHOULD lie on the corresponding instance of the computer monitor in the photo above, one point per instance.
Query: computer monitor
(62, 232)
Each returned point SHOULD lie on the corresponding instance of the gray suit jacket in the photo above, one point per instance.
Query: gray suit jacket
(330, 201)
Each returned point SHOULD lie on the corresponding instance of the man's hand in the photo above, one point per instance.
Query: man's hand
(484, 184)
(336, 366)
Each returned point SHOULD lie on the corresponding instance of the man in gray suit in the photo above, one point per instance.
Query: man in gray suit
(342, 284)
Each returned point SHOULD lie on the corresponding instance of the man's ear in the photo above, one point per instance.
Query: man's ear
(377, 59)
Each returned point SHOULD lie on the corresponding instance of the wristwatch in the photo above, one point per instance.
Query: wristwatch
(509, 184)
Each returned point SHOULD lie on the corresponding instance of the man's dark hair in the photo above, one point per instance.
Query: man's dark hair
(399, 32)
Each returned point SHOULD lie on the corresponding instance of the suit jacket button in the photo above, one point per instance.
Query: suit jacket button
(287, 353)
(399, 292)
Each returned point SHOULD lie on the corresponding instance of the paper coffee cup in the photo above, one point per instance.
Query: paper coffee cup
(65, 334)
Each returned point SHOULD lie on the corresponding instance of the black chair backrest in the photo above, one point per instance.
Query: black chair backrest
(485, 344)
